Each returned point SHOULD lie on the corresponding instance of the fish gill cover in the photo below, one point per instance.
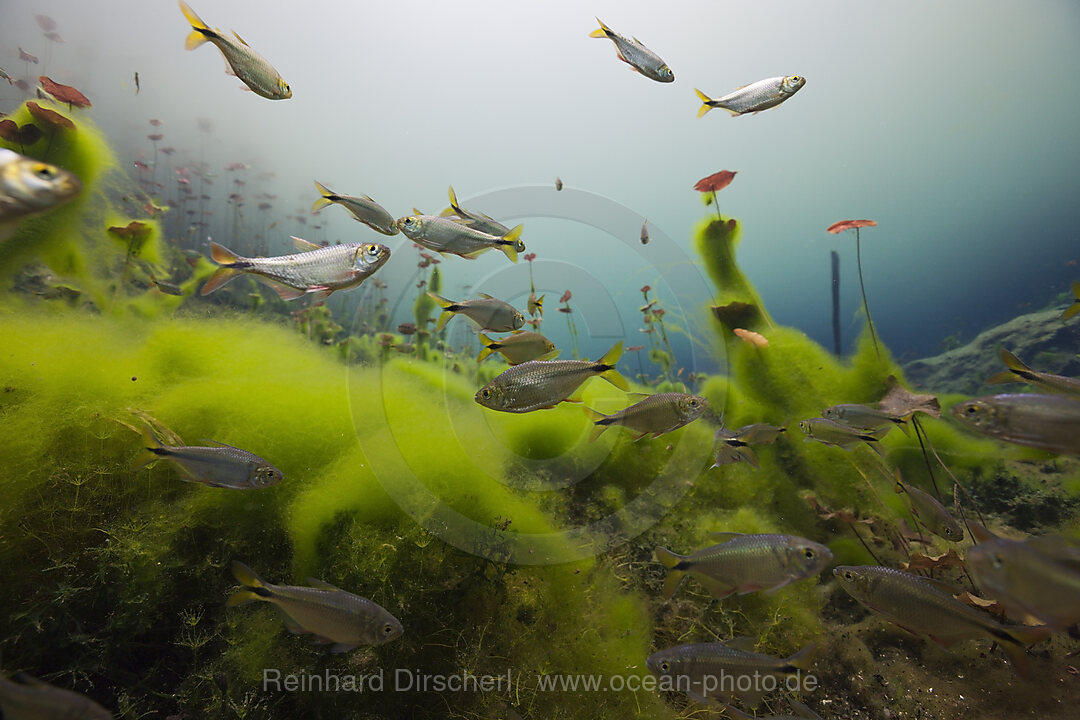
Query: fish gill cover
(503, 543)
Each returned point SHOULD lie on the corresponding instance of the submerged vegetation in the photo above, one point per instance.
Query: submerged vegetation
(503, 543)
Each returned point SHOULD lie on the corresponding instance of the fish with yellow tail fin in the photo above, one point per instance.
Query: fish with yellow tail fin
(362, 208)
(335, 617)
(248, 65)
(457, 237)
(316, 270)
(543, 384)
(222, 466)
(632, 52)
(488, 312)
(755, 97)
(535, 305)
(1019, 372)
(477, 220)
(928, 607)
(518, 348)
(1073, 309)
(745, 563)
(31, 698)
(656, 414)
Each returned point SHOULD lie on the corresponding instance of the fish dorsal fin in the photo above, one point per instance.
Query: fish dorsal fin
(725, 536)
(637, 396)
(745, 643)
(486, 296)
(448, 212)
(215, 443)
(304, 245)
(417, 211)
(242, 40)
(945, 587)
(323, 585)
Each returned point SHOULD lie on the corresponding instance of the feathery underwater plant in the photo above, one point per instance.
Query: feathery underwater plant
(839, 227)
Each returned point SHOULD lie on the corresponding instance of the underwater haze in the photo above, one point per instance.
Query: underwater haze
(539, 361)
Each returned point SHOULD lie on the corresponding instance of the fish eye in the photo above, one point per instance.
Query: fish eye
(372, 249)
(485, 393)
(848, 575)
(996, 559)
(388, 629)
(970, 409)
(43, 171)
(808, 553)
(665, 666)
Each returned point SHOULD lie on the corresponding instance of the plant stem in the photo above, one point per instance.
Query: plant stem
(862, 288)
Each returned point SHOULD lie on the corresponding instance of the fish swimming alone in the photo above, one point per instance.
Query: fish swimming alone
(542, 384)
(1047, 422)
(927, 607)
(33, 699)
(931, 513)
(335, 617)
(1039, 576)
(319, 271)
(362, 208)
(698, 669)
(488, 313)
(645, 232)
(222, 466)
(29, 186)
(632, 52)
(446, 235)
(1019, 372)
(755, 97)
(520, 347)
(248, 65)
(745, 563)
(655, 414)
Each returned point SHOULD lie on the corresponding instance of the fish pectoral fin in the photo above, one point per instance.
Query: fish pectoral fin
(486, 296)
(474, 254)
(323, 585)
(285, 292)
(305, 245)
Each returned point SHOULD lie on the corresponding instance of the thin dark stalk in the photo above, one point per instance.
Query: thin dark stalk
(862, 288)
(716, 205)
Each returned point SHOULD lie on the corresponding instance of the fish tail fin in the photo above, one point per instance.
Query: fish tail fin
(1070, 312)
(606, 365)
(597, 418)
(254, 587)
(1076, 288)
(705, 100)
(200, 31)
(903, 425)
(448, 310)
(675, 577)
(511, 243)
(220, 277)
(453, 201)
(1017, 653)
(153, 449)
(540, 305)
(804, 659)
(601, 32)
(222, 255)
(487, 349)
(324, 199)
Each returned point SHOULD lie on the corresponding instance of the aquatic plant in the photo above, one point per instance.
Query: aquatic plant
(839, 227)
(715, 183)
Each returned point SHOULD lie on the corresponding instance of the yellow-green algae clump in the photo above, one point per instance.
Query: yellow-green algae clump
(502, 542)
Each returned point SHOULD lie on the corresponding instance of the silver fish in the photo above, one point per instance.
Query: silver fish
(558, 183)
(931, 513)
(1039, 576)
(833, 433)
(248, 65)
(862, 416)
(318, 270)
(5, 76)
(477, 220)
(927, 607)
(518, 348)
(755, 97)
(341, 619)
(645, 232)
(362, 208)
(705, 671)
(29, 186)
(746, 563)
(32, 699)
(540, 384)
(1047, 422)
(1020, 372)
(488, 312)
(636, 55)
(221, 466)
(656, 414)
(445, 235)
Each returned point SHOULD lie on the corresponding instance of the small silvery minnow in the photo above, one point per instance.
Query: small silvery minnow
(488, 313)
(29, 186)
(645, 232)
(1019, 372)
(446, 235)
(362, 208)
(476, 220)
(698, 668)
(535, 305)
(931, 513)
(558, 183)
(222, 466)
(248, 65)
(745, 563)
(829, 432)
(656, 414)
(755, 97)
(542, 384)
(335, 617)
(1047, 422)
(927, 607)
(862, 417)
(318, 270)
(1039, 576)
(636, 55)
(518, 348)
(33, 699)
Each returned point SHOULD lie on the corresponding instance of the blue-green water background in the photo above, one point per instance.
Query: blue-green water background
(951, 124)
